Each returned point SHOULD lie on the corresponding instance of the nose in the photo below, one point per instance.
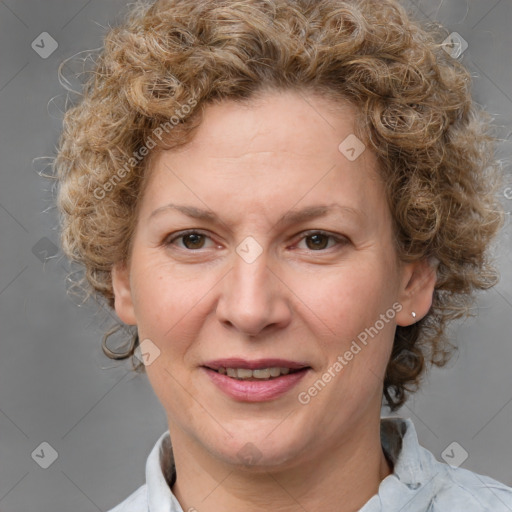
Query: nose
(253, 299)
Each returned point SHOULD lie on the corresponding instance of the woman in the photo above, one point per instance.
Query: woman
(288, 201)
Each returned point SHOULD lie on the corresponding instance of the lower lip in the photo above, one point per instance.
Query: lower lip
(253, 390)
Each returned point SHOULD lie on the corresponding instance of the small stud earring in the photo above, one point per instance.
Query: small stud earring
(413, 314)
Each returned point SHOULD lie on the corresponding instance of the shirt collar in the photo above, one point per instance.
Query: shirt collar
(412, 463)
(412, 484)
(160, 477)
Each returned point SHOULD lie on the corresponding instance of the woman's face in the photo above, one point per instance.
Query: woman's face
(265, 245)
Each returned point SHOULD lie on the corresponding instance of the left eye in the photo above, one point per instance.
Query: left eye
(318, 240)
(315, 240)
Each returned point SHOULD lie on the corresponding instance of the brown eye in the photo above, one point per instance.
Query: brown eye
(322, 241)
(318, 241)
(189, 240)
(193, 241)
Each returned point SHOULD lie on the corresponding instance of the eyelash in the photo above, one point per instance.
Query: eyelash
(339, 241)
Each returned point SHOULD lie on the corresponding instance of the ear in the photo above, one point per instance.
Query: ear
(123, 293)
(416, 290)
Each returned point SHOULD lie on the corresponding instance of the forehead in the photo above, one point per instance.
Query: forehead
(273, 120)
(269, 153)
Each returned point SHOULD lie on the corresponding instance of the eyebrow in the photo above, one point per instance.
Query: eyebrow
(317, 211)
(291, 217)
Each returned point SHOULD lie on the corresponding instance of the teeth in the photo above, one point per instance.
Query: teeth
(275, 372)
(244, 373)
(264, 373)
(260, 373)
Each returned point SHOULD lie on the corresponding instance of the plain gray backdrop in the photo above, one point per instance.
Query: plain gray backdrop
(99, 419)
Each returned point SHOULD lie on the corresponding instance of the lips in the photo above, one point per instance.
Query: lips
(254, 364)
(256, 380)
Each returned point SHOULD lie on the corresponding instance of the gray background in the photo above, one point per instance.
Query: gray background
(56, 386)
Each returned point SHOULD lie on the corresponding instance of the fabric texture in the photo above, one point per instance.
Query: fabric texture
(419, 483)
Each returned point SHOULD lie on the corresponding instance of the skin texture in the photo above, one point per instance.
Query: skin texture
(251, 164)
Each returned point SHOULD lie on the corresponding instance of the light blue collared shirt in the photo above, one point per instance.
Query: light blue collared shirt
(419, 483)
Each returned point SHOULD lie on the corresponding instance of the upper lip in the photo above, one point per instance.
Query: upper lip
(254, 364)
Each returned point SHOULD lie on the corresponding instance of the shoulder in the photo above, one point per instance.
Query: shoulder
(156, 493)
(461, 489)
(136, 502)
(421, 483)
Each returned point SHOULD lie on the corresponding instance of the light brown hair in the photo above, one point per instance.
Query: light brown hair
(433, 143)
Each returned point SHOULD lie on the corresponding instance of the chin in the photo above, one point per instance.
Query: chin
(260, 453)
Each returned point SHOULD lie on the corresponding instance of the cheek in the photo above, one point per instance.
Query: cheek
(344, 309)
(162, 292)
(171, 305)
(347, 298)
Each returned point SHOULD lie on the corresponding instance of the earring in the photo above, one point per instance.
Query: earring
(413, 314)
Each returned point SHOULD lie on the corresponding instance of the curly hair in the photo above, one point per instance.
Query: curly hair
(169, 59)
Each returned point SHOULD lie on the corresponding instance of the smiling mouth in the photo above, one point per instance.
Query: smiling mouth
(257, 374)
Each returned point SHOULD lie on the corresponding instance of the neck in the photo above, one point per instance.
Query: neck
(343, 477)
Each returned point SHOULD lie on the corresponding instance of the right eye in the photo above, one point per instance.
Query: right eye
(191, 240)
